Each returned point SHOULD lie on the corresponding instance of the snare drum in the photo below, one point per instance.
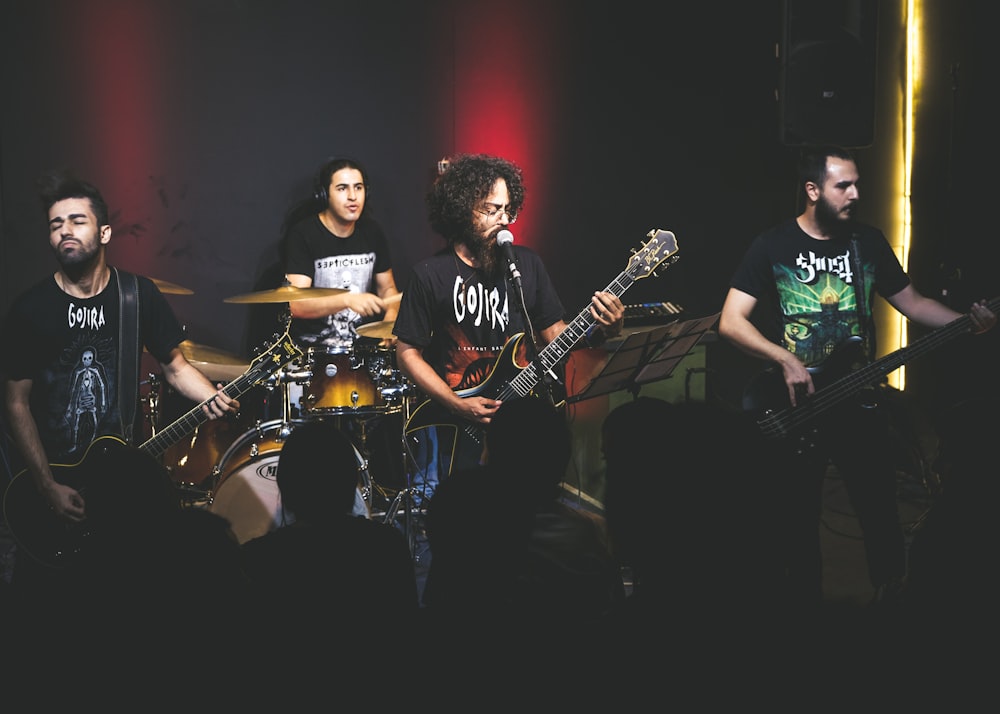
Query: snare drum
(247, 492)
(343, 381)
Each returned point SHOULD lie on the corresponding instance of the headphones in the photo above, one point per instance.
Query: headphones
(333, 165)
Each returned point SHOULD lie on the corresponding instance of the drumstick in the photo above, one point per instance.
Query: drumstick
(393, 299)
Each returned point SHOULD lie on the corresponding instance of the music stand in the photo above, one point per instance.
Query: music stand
(647, 356)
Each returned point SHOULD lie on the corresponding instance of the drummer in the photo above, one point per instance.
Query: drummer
(339, 246)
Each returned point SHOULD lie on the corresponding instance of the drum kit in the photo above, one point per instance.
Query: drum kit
(229, 465)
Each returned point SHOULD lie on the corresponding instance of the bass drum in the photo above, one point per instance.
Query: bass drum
(247, 492)
(190, 460)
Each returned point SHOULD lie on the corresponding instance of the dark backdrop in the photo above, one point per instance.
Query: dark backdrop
(204, 121)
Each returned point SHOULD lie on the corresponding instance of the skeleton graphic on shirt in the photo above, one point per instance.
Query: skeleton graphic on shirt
(88, 396)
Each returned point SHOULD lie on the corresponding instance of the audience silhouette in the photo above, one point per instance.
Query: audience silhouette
(688, 501)
(510, 560)
(951, 583)
(328, 575)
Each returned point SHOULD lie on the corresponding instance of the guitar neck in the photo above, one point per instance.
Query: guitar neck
(782, 422)
(283, 351)
(869, 374)
(170, 435)
(550, 356)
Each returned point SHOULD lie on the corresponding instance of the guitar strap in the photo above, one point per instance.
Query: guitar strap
(864, 320)
(128, 350)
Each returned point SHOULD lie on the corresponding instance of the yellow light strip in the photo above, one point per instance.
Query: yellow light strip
(911, 84)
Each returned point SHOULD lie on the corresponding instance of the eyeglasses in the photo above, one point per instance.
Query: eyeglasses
(494, 213)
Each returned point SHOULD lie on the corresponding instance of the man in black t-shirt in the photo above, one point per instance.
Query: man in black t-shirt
(820, 273)
(62, 393)
(339, 247)
(466, 310)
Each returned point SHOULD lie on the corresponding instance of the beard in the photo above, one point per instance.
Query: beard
(833, 221)
(78, 259)
(484, 250)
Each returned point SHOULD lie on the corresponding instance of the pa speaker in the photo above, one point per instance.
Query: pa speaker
(826, 87)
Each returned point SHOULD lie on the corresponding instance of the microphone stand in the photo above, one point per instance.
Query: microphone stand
(549, 378)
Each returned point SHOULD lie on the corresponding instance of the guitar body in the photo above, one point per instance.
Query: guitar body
(41, 533)
(463, 439)
(766, 392)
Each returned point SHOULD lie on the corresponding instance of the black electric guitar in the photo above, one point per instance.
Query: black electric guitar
(507, 380)
(51, 540)
(842, 375)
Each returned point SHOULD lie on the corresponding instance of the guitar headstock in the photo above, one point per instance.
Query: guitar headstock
(279, 353)
(660, 249)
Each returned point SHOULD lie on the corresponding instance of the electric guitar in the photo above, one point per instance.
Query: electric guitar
(55, 542)
(507, 380)
(841, 375)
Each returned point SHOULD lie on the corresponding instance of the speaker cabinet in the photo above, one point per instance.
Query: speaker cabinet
(826, 87)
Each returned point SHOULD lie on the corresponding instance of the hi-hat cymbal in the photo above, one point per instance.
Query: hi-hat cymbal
(378, 330)
(170, 288)
(286, 293)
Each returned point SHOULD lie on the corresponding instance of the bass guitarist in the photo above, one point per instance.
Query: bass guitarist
(62, 384)
(463, 305)
(819, 273)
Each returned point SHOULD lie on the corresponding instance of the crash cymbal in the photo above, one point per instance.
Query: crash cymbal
(378, 330)
(286, 293)
(210, 355)
(214, 363)
(170, 288)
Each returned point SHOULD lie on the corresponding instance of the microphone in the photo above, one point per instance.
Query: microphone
(505, 240)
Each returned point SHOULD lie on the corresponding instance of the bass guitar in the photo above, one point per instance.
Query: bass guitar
(507, 380)
(841, 375)
(55, 542)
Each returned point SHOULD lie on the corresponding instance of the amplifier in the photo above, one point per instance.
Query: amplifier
(651, 314)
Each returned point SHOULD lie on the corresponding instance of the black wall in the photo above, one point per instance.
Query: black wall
(666, 117)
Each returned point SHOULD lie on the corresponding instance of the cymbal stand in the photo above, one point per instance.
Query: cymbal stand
(404, 497)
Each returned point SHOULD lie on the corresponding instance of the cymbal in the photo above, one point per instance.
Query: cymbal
(378, 330)
(286, 293)
(170, 288)
(195, 352)
(215, 364)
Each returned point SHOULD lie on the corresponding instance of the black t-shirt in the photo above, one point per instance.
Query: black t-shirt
(811, 284)
(462, 319)
(69, 348)
(333, 262)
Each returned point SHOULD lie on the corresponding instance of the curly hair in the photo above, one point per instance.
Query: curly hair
(462, 187)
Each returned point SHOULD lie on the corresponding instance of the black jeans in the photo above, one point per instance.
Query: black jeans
(856, 440)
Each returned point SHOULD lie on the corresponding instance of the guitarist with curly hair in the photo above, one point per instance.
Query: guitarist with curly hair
(462, 308)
